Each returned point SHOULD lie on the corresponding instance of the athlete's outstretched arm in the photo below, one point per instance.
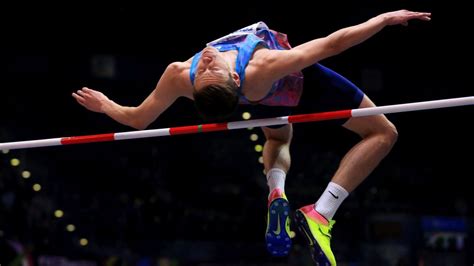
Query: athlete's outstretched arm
(284, 62)
(167, 90)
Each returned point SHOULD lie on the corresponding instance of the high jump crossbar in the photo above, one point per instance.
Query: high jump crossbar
(313, 117)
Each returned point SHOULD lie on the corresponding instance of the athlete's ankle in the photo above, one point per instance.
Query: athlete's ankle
(311, 212)
(275, 193)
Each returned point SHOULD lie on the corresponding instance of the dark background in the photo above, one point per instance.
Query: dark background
(201, 199)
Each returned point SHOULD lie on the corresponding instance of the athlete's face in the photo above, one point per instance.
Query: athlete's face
(212, 68)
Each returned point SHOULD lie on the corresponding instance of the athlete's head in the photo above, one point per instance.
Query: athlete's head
(215, 86)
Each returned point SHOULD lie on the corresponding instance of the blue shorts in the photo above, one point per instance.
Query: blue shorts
(324, 91)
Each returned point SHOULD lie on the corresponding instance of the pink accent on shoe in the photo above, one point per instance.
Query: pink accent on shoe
(275, 194)
(314, 215)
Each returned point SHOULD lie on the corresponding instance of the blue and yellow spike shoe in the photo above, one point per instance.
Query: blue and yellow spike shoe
(278, 234)
(317, 230)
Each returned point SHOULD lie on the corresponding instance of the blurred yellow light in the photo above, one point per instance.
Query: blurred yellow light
(26, 174)
(254, 137)
(58, 213)
(70, 228)
(15, 162)
(258, 148)
(36, 187)
(83, 242)
(260, 159)
(246, 115)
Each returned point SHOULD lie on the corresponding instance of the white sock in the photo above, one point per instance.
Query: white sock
(330, 200)
(276, 179)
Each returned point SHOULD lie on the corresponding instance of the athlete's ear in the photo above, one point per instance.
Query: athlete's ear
(236, 78)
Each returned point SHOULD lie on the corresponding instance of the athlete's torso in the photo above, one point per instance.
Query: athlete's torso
(245, 51)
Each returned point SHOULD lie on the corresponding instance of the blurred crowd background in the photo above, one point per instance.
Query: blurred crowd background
(201, 199)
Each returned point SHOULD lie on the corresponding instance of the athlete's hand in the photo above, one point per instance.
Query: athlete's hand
(403, 16)
(91, 99)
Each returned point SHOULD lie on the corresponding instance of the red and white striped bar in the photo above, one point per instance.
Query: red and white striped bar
(398, 108)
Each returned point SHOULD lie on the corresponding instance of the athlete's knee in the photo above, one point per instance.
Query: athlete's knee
(388, 135)
(280, 136)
